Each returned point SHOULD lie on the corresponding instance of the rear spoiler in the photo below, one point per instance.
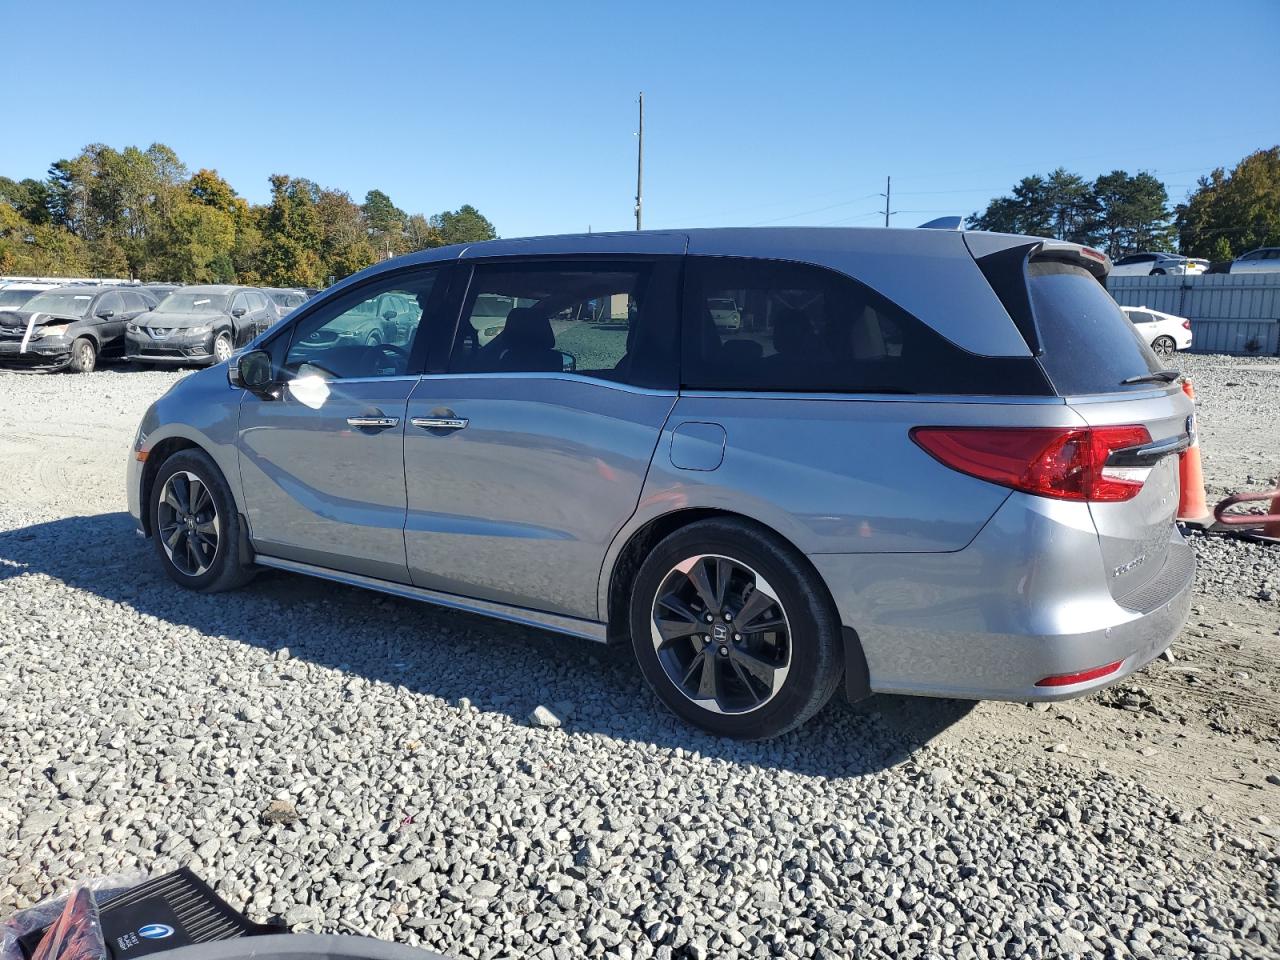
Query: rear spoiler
(1095, 261)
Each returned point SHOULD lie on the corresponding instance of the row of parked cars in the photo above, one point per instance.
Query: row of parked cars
(50, 325)
(1262, 260)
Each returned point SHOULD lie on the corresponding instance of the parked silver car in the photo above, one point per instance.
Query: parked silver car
(928, 462)
(1262, 260)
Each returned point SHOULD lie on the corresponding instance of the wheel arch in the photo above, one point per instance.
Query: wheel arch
(156, 456)
(617, 580)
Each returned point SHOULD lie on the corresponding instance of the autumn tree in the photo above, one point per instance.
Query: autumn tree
(1232, 213)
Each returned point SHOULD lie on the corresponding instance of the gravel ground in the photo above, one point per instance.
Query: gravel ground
(343, 762)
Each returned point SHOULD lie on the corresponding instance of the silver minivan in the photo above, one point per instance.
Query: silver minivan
(921, 461)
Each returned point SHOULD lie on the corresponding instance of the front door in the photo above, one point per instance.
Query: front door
(323, 464)
(527, 456)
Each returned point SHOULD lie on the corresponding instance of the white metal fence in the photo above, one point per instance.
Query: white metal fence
(1229, 314)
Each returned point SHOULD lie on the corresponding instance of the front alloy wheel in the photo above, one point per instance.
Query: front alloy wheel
(188, 524)
(721, 634)
(222, 348)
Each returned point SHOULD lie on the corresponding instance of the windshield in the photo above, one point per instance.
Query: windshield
(716, 304)
(65, 303)
(11, 299)
(193, 301)
(288, 299)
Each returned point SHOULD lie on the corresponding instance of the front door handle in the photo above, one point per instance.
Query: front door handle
(378, 423)
(440, 423)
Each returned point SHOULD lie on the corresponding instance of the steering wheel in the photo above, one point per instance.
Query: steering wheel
(392, 352)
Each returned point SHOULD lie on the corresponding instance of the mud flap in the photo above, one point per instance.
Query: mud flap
(857, 679)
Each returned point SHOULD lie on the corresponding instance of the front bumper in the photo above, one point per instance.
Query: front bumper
(1026, 600)
(179, 347)
(46, 353)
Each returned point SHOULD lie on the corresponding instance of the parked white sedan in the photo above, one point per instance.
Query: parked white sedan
(1165, 332)
(1262, 260)
(1156, 265)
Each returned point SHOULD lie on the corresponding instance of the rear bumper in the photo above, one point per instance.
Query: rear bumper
(1028, 599)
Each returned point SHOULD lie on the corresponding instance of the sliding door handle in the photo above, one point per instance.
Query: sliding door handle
(377, 423)
(440, 423)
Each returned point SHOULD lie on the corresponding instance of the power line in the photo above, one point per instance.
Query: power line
(805, 213)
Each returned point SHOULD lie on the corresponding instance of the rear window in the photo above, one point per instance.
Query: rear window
(1088, 345)
(764, 325)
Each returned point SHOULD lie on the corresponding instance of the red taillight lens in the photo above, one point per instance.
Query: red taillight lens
(1066, 463)
(1186, 324)
(1067, 679)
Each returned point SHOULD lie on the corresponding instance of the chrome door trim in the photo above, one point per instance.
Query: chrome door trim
(996, 399)
(573, 626)
(379, 422)
(440, 423)
(535, 375)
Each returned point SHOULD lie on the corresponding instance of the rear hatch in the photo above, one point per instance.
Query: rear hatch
(1093, 357)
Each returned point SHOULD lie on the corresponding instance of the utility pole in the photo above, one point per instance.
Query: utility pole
(640, 164)
(888, 191)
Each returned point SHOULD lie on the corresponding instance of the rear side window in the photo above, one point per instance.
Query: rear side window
(609, 320)
(1088, 346)
(763, 325)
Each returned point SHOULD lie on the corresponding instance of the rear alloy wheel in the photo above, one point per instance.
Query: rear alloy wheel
(84, 356)
(195, 524)
(222, 348)
(1164, 346)
(733, 630)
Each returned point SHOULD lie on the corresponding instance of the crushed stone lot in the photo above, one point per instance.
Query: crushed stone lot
(344, 762)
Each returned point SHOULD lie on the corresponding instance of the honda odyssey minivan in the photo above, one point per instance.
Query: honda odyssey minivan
(922, 461)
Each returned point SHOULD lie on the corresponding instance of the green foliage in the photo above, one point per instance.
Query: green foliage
(1230, 214)
(464, 225)
(139, 213)
(1119, 212)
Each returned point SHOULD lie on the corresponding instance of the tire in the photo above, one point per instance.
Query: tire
(1164, 346)
(208, 569)
(222, 348)
(84, 356)
(769, 583)
(1157, 273)
(373, 340)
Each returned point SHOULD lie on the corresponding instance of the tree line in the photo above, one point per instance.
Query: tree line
(1226, 215)
(142, 214)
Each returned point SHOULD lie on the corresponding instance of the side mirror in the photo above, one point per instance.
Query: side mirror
(238, 312)
(251, 371)
(106, 314)
(569, 363)
(389, 315)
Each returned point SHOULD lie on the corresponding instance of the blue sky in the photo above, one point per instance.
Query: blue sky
(789, 113)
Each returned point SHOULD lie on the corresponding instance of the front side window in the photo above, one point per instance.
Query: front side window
(607, 320)
(111, 303)
(764, 325)
(368, 333)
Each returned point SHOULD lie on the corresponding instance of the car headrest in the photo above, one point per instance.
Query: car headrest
(525, 329)
(792, 331)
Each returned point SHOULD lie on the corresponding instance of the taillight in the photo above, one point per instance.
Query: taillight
(1067, 679)
(1066, 463)
(1186, 324)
